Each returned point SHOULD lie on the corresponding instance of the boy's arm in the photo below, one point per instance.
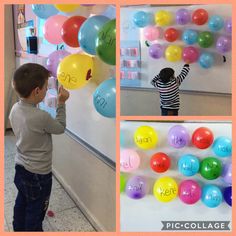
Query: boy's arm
(154, 81)
(184, 72)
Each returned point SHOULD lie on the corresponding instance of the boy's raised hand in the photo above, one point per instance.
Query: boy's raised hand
(63, 95)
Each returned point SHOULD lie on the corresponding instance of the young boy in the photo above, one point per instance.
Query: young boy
(33, 128)
(168, 87)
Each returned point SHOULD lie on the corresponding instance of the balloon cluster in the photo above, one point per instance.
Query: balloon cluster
(182, 17)
(95, 35)
(166, 189)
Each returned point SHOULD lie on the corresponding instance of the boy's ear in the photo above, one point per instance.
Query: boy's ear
(36, 90)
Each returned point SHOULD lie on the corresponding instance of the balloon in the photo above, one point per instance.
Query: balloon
(136, 187)
(188, 165)
(206, 60)
(165, 189)
(129, 160)
(106, 43)
(88, 33)
(190, 54)
(104, 98)
(44, 11)
(75, 70)
(189, 191)
(228, 195)
(141, 19)
(205, 39)
(190, 36)
(222, 147)
(171, 34)
(156, 51)
(183, 16)
(151, 33)
(227, 173)
(211, 196)
(215, 23)
(54, 59)
(223, 44)
(228, 25)
(160, 162)
(163, 18)
(200, 17)
(122, 183)
(202, 138)
(67, 7)
(145, 137)
(178, 136)
(173, 53)
(210, 168)
(52, 29)
(122, 139)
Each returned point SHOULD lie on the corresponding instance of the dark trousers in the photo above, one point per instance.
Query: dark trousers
(169, 112)
(32, 199)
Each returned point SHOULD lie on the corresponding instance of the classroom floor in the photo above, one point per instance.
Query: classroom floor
(68, 216)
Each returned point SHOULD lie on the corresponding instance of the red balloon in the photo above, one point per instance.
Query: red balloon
(171, 34)
(202, 138)
(200, 17)
(160, 162)
(70, 30)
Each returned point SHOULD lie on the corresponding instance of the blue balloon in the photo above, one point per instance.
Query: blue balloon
(122, 138)
(222, 147)
(141, 19)
(228, 195)
(190, 36)
(104, 98)
(44, 10)
(188, 165)
(216, 23)
(211, 196)
(206, 60)
(88, 33)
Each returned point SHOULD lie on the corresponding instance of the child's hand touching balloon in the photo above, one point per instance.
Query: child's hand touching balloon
(63, 95)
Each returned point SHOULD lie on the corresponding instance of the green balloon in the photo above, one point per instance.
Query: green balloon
(106, 43)
(122, 183)
(205, 39)
(210, 168)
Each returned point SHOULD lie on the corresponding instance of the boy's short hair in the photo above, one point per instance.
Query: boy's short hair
(165, 74)
(28, 77)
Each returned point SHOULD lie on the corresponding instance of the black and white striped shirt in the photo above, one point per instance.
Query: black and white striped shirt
(169, 92)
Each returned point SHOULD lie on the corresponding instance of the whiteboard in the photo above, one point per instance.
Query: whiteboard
(146, 214)
(216, 79)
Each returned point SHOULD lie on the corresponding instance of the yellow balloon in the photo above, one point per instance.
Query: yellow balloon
(66, 7)
(145, 137)
(173, 53)
(163, 18)
(165, 189)
(75, 70)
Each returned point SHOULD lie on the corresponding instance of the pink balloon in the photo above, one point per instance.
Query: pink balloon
(129, 160)
(52, 29)
(151, 33)
(190, 54)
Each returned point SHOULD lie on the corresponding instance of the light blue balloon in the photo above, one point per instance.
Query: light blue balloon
(222, 147)
(188, 165)
(88, 33)
(104, 98)
(190, 36)
(122, 139)
(44, 10)
(141, 19)
(215, 23)
(206, 60)
(211, 196)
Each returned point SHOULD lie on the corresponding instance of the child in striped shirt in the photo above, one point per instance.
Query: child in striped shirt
(168, 87)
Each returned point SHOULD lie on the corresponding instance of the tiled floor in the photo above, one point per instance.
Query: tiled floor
(68, 216)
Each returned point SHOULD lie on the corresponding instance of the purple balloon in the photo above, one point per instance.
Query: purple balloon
(178, 136)
(183, 16)
(54, 59)
(228, 25)
(227, 173)
(223, 44)
(136, 187)
(156, 51)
